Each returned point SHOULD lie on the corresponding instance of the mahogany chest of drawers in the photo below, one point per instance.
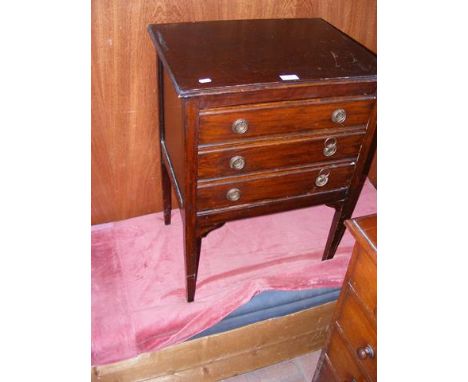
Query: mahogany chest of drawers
(261, 116)
(350, 354)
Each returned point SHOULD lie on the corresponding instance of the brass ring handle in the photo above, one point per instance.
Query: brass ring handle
(233, 194)
(339, 116)
(330, 147)
(321, 180)
(240, 126)
(328, 151)
(237, 162)
(365, 352)
(331, 141)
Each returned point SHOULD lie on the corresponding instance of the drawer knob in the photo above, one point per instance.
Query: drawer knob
(240, 126)
(339, 116)
(365, 352)
(322, 178)
(233, 194)
(237, 162)
(330, 147)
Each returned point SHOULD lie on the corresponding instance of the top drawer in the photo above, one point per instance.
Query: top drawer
(226, 124)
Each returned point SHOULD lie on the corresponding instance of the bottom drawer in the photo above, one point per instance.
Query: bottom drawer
(360, 332)
(342, 362)
(274, 185)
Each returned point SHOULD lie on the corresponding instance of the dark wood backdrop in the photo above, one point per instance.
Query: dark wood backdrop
(125, 155)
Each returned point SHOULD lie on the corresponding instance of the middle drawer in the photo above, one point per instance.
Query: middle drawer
(220, 161)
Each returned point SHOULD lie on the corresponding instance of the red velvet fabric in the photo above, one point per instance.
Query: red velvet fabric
(138, 286)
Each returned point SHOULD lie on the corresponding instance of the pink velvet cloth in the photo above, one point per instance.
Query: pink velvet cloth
(138, 285)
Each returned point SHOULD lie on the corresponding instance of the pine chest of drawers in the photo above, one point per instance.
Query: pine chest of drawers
(261, 116)
(351, 351)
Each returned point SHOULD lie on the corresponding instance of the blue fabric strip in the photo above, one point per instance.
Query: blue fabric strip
(270, 304)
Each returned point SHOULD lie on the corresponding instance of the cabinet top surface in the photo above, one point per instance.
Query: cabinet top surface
(204, 57)
(364, 229)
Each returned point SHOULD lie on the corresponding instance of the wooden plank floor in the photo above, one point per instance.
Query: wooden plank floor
(299, 369)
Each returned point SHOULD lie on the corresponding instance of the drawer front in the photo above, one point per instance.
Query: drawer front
(364, 280)
(275, 185)
(342, 362)
(360, 332)
(275, 154)
(219, 125)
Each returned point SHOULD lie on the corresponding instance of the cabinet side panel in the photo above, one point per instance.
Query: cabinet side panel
(174, 135)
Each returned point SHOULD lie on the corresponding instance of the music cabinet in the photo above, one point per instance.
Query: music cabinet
(261, 116)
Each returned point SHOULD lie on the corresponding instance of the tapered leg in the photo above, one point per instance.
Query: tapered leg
(344, 209)
(337, 230)
(192, 245)
(166, 193)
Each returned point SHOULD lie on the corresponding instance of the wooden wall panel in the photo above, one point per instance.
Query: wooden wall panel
(125, 155)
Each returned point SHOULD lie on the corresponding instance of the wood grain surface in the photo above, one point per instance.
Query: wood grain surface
(125, 154)
(253, 53)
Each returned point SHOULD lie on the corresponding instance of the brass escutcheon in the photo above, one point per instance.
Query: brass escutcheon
(240, 126)
(237, 162)
(339, 116)
(233, 194)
